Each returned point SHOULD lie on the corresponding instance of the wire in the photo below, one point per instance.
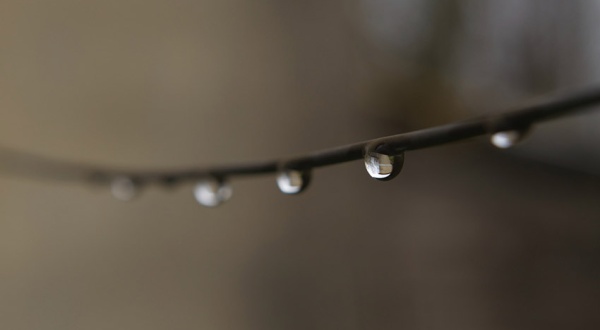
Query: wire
(383, 156)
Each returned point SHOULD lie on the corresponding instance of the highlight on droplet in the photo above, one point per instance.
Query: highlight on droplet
(507, 139)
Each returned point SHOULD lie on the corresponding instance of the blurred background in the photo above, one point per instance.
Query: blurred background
(467, 237)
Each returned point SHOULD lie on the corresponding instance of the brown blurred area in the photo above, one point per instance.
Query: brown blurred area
(467, 237)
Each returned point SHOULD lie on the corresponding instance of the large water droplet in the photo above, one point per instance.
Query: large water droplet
(381, 164)
(293, 181)
(507, 139)
(212, 192)
(124, 188)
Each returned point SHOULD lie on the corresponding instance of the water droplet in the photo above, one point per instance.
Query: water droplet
(124, 188)
(382, 164)
(293, 181)
(507, 139)
(212, 192)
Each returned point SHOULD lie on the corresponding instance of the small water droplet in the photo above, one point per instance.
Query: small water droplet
(382, 164)
(293, 181)
(212, 192)
(124, 188)
(507, 139)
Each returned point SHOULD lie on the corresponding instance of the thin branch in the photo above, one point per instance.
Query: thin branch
(519, 119)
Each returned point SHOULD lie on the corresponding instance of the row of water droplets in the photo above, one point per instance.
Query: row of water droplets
(381, 162)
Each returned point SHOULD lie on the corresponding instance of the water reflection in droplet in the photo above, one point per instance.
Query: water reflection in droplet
(212, 192)
(124, 188)
(381, 164)
(293, 181)
(507, 139)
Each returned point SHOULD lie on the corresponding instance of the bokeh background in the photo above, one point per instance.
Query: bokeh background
(467, 237)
